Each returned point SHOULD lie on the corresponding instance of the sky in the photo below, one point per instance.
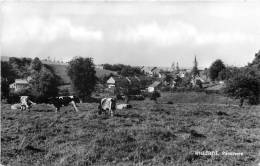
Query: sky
(149, 33)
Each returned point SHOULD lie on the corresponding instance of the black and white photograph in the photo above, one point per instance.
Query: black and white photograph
(130, 83)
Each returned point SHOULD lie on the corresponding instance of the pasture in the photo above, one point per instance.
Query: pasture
(167, 133)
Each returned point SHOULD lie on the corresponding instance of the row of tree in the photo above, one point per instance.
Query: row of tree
(124, 70)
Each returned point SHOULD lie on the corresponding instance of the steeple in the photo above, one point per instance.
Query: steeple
(177, 67)
(173, 66)
(195, 70)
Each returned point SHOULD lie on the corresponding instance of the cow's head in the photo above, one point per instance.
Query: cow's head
(76, 99)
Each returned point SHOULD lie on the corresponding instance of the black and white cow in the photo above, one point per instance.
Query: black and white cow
(60, 101)
(107, 105)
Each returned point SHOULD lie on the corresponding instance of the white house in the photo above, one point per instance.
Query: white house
(19, 84)
(111, 82)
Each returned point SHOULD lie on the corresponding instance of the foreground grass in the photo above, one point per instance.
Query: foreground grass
(147, 134)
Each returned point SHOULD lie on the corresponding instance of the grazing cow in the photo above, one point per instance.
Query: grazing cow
(16, 106)
(26, 103)
(123, 106)
(60, 101)
(107, 104)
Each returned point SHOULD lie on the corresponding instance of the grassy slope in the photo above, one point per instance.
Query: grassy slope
(149, 133)
(61, 71)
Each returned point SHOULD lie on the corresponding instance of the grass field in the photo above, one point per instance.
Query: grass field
(147, 134)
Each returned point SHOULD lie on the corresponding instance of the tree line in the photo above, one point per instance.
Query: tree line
(124, 70)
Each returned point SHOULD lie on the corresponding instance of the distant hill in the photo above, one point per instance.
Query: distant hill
(60, 69)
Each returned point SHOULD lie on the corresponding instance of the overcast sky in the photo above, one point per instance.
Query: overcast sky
(135, 33)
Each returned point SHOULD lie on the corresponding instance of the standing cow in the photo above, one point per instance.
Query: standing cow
(60, 101)
(107, 105)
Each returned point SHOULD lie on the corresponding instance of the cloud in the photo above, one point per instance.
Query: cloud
(224, 38)
(179, 33)
(171, 33)
(47, 30)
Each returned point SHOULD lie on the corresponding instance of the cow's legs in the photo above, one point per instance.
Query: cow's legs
(111, 112)
(74, 106)
(23, 107)
(99, 110)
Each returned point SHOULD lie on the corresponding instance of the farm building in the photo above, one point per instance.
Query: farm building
(118, 84)
(147, 70)
(182, 73)
(154, 86)
(156, 72)
(195, 79)
(19, 84)
(119, 81)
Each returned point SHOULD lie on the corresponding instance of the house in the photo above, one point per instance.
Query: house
(119, 81)
(154, 86)
(111, 82)
(193, 80)
(99, 67)
(19, 84)
(147, 70)
(204, 75)
(182, 73)
(156, 72)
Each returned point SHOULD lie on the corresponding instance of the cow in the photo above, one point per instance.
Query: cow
(107, 104)
(123, 106)
(60, 101)
(26, 103)
(16, 106)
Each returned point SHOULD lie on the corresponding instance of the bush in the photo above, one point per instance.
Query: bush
(244, 86)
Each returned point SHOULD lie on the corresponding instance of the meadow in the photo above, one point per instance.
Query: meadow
(165, 133)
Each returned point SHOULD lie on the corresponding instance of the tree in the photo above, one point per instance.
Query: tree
(7, 77)
(215, 69)
(83, 76)
(44, 82)
(168, 78)
(36, 64)
(224, 74)
(195, 70)
(130, 71)
(243, 86)
(20, 66)
(256, 60)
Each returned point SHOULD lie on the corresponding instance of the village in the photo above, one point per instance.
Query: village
(152, 79)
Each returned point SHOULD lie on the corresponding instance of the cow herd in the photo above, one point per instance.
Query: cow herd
(106, 105)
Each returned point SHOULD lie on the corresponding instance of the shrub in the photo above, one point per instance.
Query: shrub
(244, 86)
